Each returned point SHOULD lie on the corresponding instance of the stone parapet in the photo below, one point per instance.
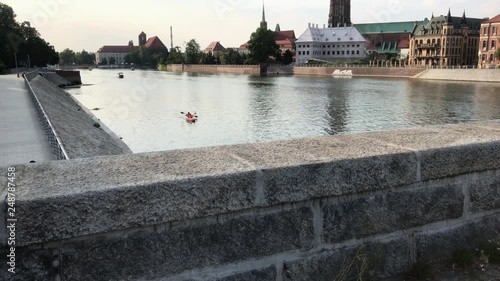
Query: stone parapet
(286, 210)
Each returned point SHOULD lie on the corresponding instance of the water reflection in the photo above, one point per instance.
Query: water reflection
(144, 108)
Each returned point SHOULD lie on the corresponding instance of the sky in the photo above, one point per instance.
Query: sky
(90, 24)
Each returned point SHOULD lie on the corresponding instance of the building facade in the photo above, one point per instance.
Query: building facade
(489, 42)
(118, 53)
(340, 13)
(387, 40)
(445, 41)
(330, 44)
(215, 48)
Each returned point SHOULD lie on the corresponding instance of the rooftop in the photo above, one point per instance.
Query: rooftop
(387, 27)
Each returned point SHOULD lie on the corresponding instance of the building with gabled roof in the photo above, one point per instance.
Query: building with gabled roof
(330, 44)
(215, 48)
(118, 53)
(445, 41)
(489, 41)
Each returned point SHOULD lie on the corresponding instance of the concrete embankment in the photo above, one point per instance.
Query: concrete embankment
(226, 69)
(307, 209)
(79, 131)
(468, 75)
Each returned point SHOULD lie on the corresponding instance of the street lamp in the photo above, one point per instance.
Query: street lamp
(17, 70)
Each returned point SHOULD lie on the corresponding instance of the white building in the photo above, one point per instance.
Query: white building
(330, 44)
(116, 52)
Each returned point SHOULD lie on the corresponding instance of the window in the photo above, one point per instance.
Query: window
(324, 53)
(484, 45)
(338, 52)
(308, 52)
(492, 58)
(494, 31)
(328, 52)
(357, 45)
(357, 52)
(343, 52)
(493, 42)
(483, 57)
(485, 31)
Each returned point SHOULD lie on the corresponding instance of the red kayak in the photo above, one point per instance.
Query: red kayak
(191, 119)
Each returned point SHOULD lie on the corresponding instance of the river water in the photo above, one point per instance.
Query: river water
(145, 107)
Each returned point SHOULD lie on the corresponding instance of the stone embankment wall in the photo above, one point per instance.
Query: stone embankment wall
(468, 75)
(227, 69)
(289, 210)
(72, 76)
(74, 124)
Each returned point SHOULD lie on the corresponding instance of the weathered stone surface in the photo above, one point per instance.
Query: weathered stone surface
(390, 212)
(30, 264)
(438, 248)
(375, 260)
(74, 127)
(150, 255)
(55, 79)
(266, 274)
(485, 193)
(299, 170)
(450, 149)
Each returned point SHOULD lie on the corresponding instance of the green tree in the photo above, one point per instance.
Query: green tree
(262, 45)
(67, 56)
(278, 58)
(287, 57)
(23, 40)
(104, 61)
(84, 57)
(112, 60)
(208, 58)
(497, 53)
(193, 52)
(175, 56)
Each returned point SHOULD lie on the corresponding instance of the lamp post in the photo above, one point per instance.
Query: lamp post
(17, 70)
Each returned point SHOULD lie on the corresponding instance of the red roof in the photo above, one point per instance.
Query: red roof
(215, 47)
(404, 44)
(118, 49)
(155, 43)
(283, 35)
(493, 19)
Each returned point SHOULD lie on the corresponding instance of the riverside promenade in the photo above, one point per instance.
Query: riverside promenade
(22, 139)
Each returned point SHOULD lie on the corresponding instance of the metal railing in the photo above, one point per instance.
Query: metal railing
(54, 141)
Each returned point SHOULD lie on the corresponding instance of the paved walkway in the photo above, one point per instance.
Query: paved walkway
(21, 135)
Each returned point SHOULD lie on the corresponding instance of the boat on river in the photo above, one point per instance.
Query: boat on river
(120, 75)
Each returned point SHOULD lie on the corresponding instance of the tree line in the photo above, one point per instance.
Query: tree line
(22, 41)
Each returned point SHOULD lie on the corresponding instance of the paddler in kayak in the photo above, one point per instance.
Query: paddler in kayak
(189, 115)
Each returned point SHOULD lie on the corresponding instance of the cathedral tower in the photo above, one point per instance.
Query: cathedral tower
(263, 23)
(340, 13)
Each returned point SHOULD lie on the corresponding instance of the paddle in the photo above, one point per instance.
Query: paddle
(193, 114)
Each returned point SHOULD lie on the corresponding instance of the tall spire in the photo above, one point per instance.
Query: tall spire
(263, 23)
(464, 19)
(448, 18)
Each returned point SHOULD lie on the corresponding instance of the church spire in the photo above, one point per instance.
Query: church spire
(464, 19)
(263, 23)
(448, 18)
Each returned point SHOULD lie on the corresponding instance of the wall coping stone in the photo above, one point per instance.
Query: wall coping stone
(102, 194)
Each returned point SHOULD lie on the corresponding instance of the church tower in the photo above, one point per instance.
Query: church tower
(142, 39)
(340, 13)
(263, 23)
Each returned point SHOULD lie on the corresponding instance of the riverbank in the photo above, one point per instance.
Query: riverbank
(81, 134)
(468, 75)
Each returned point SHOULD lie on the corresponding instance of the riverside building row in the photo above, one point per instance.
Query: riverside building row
(443, 41)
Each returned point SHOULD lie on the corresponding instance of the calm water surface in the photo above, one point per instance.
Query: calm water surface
(144, 107)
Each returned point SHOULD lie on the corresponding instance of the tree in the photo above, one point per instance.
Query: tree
(112, 60)
(278, 58)
(23, 40)
(104, 61)
(84, 57)
(287, 57)
(208, 58)
(193, 52)
(497, 54)
(262, 45)
(175, 56)
(67, 56)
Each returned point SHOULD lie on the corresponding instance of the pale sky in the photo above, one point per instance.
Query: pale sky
(89, 24)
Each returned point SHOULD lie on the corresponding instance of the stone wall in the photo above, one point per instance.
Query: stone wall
(469, 75)
(81, 134)
(227, 69)
(289, 210)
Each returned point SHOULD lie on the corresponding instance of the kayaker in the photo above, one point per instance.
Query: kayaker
(189, 115)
